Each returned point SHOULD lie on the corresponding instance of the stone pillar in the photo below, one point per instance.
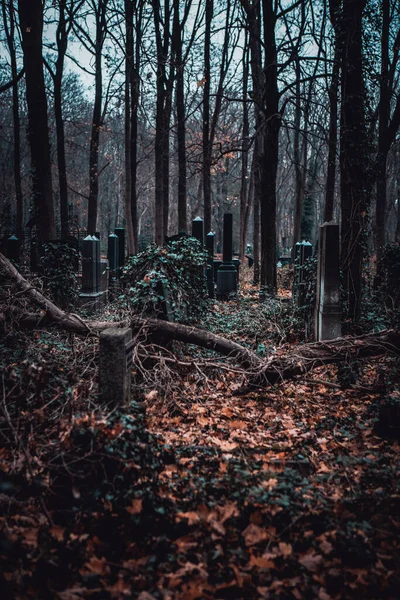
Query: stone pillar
(90, 266)
(328, 311)
(91, 296)
(120, 233)
(227, 273)
(113, 255)
(210, 264)
(13, 248)
(115, 366)
(198, 229)
(303, 251)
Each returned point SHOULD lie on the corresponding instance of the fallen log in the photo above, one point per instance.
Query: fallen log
(259, 372)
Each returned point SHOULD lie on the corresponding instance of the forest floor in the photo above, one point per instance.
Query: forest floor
(198, 491)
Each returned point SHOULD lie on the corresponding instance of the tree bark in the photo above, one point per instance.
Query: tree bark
(96, 119)
(9, 29)
(354, 156)
(333, 115)
(31, 22)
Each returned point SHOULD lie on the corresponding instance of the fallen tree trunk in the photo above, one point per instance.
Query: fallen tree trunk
(259, 372)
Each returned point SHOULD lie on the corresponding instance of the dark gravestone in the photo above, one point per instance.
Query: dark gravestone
(13, 248)
(120, 232)
(210, 264)
(328, 312)
(90, 266)
(198, 229)
(115, 366)
(250, 260)
(91, 297)
(303, 251)
(227, 273)
(113, 255)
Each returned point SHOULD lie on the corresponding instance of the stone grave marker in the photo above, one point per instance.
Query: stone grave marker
(303, 251)
(227, 277)
(91, 297)
(210, 264)
(328, 311)
(113, 256)
(198, 229)
(115, 366)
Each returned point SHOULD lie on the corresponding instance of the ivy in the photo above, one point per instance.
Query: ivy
(173, 274)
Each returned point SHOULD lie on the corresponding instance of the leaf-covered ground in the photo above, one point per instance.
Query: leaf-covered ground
(288, 493)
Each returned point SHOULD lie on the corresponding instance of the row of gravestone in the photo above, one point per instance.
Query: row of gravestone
(116, 345)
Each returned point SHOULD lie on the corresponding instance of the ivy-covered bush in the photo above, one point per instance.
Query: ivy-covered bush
(179, 267)
(58, 265)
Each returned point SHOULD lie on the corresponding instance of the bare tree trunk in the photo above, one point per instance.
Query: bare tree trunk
(181, 118)
(97, 118)
(244, 196)
(354, 156)
(207, 148)
(62, 43)
(383, 148)
(333, 116)
(128, 128)
(31, 22)
(9, 28)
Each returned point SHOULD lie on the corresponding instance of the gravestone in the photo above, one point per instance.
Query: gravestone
(120, 233)
(91, 296)
(227, 273)
(13, 248)
(198, 229)
(210, 264)
(303, 251)
(328, 312)
(113, 256)
(115, 366)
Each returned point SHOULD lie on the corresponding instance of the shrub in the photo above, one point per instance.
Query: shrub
(179, 266)
(58, 264)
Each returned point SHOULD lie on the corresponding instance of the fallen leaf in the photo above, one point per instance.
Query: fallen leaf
(253, 534)
(311, 561)
(136, 507)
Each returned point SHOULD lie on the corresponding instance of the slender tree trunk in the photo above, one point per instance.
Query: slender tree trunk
(181, 118)
(256, 209)
(333, 116)
(354, 159)
(128, 129)
(31, 22)
(299, 181)
(96, 119)
(244, 196)
(383, 148)
(62, 43)
(270, 153)
(9, 28)
(135, 96)
(207, 151)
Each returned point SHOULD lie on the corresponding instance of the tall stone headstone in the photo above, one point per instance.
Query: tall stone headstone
(115, 366)
(91, 297)
(210, 240)
(227, 273)
(113, 255)
(198, 229)
(90, 266)
(303, 251)
(13, 248)
(120, 232)
(328, 310)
